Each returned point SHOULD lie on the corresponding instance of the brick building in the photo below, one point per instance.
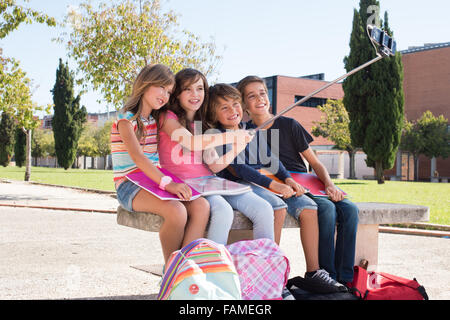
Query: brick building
(97, 119)
(427, 87)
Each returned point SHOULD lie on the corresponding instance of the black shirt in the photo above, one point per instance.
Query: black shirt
(287, 138)
(255, 156)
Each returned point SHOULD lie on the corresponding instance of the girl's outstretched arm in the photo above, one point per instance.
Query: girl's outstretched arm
(216, 163)
(180, 134)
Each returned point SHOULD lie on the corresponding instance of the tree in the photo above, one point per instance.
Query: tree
(113, 43)
(68, 117)
(428, 136)
(42, 144)
(334, 126)
(102, 137)
(7, 129)
(37, 145)
(435, 134)
(20, 147)
(12, 15)
(87, 145)
(374, 97)
(15, 99)
(413, 142)
(15, 95)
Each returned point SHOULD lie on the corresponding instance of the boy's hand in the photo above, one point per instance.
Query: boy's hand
(298, 188)
(285, 190)
(334, 193)
(243, 136)
(181, 190)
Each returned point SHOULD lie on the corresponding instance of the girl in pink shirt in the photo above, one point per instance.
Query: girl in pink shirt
(133, 142)
(181, 149)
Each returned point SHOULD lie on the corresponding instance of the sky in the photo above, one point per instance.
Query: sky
(258, 37)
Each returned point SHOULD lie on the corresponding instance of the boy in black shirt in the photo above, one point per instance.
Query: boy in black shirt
(225, 112)
(293, 143)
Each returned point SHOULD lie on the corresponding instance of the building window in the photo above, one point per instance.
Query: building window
(47, 122)
(271, 83)
(311, 102)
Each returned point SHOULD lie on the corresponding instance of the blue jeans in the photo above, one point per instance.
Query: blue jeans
(339, 260)
(258, 210)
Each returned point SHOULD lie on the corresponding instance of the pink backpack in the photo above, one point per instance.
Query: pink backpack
(262, 267)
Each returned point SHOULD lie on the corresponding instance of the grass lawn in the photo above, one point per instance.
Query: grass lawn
(92, 179)
(434, 195)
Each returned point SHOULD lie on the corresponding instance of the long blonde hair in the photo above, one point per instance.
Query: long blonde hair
(150, 75)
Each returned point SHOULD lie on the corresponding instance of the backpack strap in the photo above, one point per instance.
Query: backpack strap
(358, 293)
(413, 284)
(360, 281)
(169, 275)
(422, 291)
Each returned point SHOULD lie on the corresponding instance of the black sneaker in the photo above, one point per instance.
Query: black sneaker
(321, 282)
(286, 294)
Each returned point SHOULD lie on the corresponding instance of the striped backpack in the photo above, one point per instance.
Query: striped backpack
(202, 270)
(262, 267)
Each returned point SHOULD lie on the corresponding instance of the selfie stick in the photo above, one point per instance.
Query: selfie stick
(386, 47)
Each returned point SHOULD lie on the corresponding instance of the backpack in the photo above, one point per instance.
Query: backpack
(262, 267)
(299, 289)
(202, 270)
(384, 286)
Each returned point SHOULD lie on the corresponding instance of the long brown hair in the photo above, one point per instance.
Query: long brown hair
(184, 79)
(150, 75)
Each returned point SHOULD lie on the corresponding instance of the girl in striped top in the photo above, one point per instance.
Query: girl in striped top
(134, 145)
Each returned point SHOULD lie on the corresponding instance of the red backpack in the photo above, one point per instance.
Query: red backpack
(384, 286)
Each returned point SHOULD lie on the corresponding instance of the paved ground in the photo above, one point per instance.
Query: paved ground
(56, 254)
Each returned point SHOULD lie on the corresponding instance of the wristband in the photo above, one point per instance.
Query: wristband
(164, 182)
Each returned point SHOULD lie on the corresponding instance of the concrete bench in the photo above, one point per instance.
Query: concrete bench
(371, 215)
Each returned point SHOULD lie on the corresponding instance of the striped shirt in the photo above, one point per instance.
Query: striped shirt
(122, 162)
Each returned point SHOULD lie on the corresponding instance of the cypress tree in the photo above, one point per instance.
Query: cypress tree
(7, 127)
(68, 117)
(20, 147)
(374, 96)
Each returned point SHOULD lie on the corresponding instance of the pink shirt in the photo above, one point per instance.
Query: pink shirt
(182, 163)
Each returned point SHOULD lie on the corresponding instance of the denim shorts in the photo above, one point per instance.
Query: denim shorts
(297, 204)
(126, 192)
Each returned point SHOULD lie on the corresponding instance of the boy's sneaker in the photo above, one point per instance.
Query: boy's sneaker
(286, 294)
(320, 281)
